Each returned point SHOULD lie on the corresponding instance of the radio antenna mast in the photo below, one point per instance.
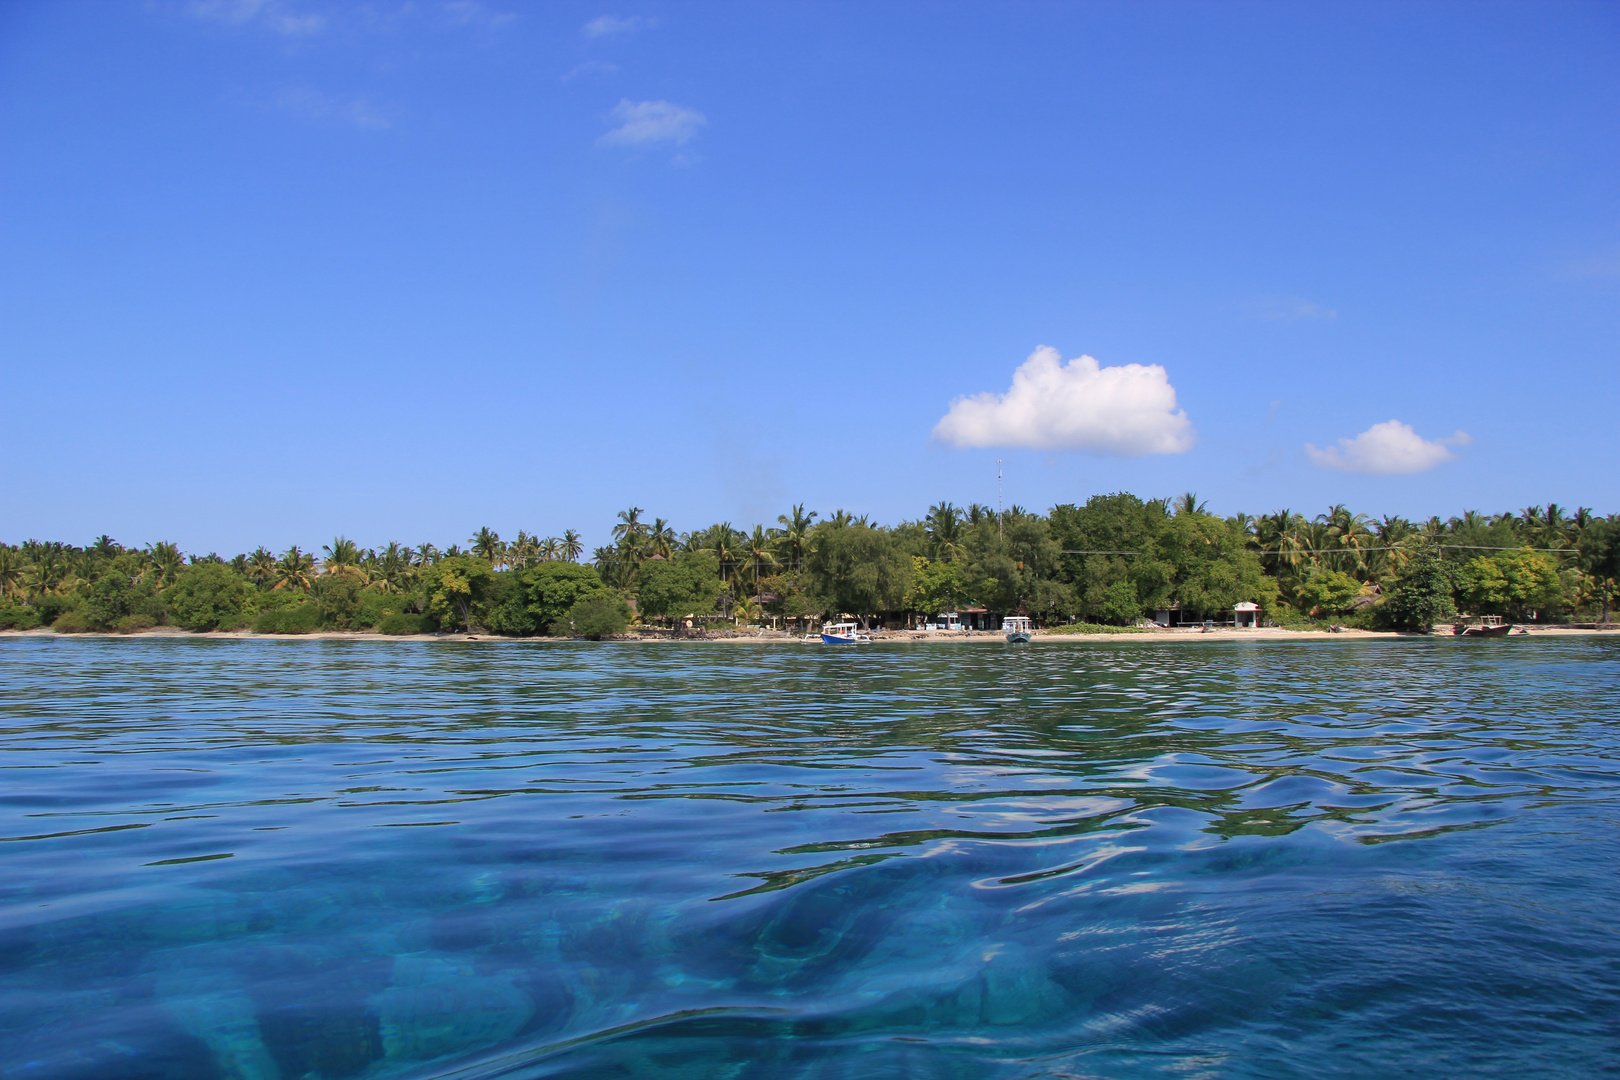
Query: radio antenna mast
(1000, 513)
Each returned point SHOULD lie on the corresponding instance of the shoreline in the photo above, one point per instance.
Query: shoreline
(777, 637)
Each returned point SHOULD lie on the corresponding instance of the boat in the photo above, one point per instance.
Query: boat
(1017, 629)
(844, 633)
(1483, 626)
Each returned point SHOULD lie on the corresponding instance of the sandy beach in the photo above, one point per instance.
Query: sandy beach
(777, 637)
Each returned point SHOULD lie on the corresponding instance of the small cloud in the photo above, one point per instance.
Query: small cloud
(315, 105)
(610, 25)
(1290, 309)
(652, 121)
(592, 67)
(1124, 411)
(273, 14)
(1387, 449)
(471, 13)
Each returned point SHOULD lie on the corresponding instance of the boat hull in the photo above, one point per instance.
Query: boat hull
(838, 639)
(1488, 631)
(1018, 637)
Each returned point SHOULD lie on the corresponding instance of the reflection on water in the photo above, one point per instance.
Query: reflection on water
(284, 860)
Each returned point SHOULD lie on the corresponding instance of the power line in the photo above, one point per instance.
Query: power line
(1357, 550)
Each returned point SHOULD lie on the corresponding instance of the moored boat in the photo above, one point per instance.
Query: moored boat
(1483, 626)
(1017, 628)
(844, 633)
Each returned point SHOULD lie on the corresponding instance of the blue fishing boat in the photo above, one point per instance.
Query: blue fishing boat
(844, 633)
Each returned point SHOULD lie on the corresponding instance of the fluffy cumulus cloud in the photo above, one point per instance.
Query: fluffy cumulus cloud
(643, 122)
(1081, 405)
(1387, 449)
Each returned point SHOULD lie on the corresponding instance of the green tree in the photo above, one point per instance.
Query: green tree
(688, 584)
(857, 568)
(1517, 584)
(1421, 594)
(456, 587)
(936, 586)
(339, 595)
(116, 597)
(1327, 592)
(594, 618)
(209, 596)
(1599, 547)
(549, 591)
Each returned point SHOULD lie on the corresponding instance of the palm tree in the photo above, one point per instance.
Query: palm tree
(661, 539)
(46, 574)
(391, 569)
(744, 611)
(758, 549)
(795, 533)
(572, 546)
(486, 544)
(296, 570)
(944, 526)
(427, 554)
(342, 558)
(105, 547)
(166, 562)
(523, 551)
(261, 566)
(551, 549)
(724, 543)
(11, 570)
(629, 529)
(1278, 536)
(1189, 504)
(1244, 523)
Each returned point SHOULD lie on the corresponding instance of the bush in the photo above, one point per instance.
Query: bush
(298, 619)
(116, 596)
(340, 598)
(134, 624)
(375, 607)
(72, 622)
(402, 623)
(51, 608)
(550, 592)
(594, 618)
(208, 596)
(18, 617)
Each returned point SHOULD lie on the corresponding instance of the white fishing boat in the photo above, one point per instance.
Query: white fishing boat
(1017, 628)
(844, 633)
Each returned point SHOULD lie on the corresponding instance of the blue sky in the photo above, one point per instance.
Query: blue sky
(272, 271)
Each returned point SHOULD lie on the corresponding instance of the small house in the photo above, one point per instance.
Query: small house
(1246, 615)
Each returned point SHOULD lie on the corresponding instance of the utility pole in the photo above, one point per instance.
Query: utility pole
(1000, 513)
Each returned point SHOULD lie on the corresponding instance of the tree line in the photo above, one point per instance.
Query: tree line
(1114, 560)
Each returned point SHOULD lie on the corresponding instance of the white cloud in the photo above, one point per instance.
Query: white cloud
(314, 105)
(277, 16)
(1080, 405)
(608, 25)
(652, 121)
(1387, 449)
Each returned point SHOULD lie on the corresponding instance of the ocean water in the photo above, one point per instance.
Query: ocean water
(322, 859)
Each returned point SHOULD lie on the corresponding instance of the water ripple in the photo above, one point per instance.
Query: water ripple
(324, 859)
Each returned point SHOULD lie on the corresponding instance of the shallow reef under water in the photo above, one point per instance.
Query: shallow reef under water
(285, 860)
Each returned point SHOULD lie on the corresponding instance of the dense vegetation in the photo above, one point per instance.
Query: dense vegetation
(1112, 561)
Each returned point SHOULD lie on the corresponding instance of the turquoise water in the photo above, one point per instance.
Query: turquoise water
(332, 859)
